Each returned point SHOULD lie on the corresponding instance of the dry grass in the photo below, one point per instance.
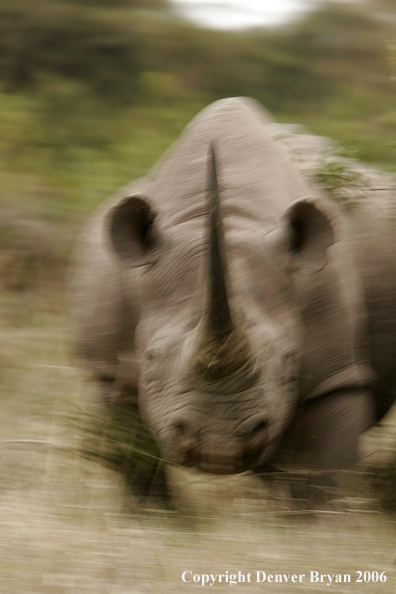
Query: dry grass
(63, 524)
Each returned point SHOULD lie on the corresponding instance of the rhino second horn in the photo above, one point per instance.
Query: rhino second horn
(222, 353)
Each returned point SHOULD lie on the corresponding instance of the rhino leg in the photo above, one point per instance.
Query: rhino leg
(325, 434)
(132, 448)
(324, 437)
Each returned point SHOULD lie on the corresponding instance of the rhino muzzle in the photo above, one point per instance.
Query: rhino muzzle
(221, 451)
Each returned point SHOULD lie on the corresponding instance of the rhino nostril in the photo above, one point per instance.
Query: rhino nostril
(256, 436)
(185, 435)
(260, 427)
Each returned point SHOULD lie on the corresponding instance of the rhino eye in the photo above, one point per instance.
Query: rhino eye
(150, 355)
(153, 350)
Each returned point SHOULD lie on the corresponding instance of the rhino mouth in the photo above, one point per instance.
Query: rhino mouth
(225, 465)
(233, 450)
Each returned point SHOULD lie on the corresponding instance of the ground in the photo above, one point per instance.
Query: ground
(64, 526)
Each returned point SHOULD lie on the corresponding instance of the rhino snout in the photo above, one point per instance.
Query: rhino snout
(219, 450)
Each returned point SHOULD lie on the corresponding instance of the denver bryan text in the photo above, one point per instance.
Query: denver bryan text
(233, 579)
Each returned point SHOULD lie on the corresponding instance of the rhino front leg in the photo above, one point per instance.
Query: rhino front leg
(130, 447)
(147, 481)
(325, 433)
(324, 437)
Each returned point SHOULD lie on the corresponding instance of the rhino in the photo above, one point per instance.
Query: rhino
(246, 317)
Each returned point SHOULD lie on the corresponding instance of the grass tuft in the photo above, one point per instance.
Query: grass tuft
(342, 183)
(117, 439)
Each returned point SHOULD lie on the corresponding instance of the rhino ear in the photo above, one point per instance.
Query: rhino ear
(309, 233)
(133, 233)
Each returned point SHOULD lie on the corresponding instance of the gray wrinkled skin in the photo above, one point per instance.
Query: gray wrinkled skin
(307, 362)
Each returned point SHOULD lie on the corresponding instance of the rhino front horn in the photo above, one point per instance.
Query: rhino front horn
(222, 354)
(219, 322)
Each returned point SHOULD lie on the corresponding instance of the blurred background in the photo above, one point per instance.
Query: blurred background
(91, 93)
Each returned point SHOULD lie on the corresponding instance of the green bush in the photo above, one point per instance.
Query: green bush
(56, 37)
(98, 89)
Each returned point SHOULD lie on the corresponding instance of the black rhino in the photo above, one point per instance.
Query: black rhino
(251, 319)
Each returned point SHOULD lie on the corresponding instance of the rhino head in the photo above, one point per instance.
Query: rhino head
(218, 340)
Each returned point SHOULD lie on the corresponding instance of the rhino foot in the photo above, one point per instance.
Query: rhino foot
(317, 459)
(147, 485)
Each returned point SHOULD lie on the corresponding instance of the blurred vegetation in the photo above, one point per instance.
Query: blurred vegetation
(93, 91)
(342, 183)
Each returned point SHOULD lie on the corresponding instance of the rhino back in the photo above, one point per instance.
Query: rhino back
(368, 209)
(254, 174)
